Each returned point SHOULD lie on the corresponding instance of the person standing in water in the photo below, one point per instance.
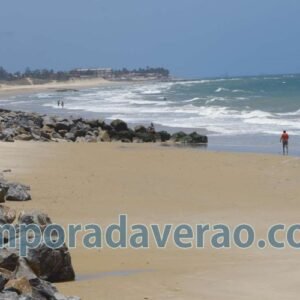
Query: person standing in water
(58, 103)
(284, 139)
(62, 104)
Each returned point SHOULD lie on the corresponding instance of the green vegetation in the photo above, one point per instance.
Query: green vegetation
(45, 74)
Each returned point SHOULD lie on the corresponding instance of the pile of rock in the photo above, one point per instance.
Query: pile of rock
(13, 191)
(32, 126)
(31, 277)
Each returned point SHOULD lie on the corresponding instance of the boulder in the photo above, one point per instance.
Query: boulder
(21, 285)
(49, 121)
(70, 136)
(119, 125)
(198, 139)
(5, 276)
(163, 136)
(104, 136)
(178, 136)
(34, 217)
(24, 137)
(7, 215)
(8, 259)
(63, 125)
(140, 129)
(146, 137)
(126, 135)
(11, 295)
(53, 265)
(18, 192)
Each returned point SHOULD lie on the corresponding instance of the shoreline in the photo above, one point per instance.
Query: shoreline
(16, 90)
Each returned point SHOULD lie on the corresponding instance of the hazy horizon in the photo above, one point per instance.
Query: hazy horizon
(194, 39)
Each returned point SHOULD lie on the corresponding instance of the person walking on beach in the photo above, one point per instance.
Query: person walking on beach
(284, 139)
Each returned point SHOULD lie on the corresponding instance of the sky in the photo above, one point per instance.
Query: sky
(192, 38)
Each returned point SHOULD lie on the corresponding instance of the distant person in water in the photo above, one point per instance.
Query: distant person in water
(58, 103)
(62, 104)
(284, 139)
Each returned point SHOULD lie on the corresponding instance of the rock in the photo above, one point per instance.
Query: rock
(9, 295)
(23, 137)
(5, 276)
(42, 290)
(178, 136)
(163, 136)
(7, 215)
(198, 139)
(140, 129)
(122, 135)
(119, 125)
(104, 136)
(145, 137)
(3, 192)
(21, 285)
(90, 139)
(53, 265)
(18, 192)
(34, 217)
(49, 121)
(70, 136)
(63, 125)
(8, 259)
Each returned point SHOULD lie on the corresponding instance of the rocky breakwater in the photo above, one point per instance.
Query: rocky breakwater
(30, 277)
(35, 127)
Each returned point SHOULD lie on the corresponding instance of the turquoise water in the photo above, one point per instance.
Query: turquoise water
(243, 112)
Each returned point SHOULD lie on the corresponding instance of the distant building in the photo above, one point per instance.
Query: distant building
(93, 72)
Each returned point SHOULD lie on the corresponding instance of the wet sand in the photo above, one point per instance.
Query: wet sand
(84, 183)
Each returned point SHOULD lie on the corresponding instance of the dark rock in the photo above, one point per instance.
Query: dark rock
(5, 276)
(140, 129)
(163, 136)
(198, 139)
(119, 125)
(34, 217)
(122, 135)
(178, 136)
(146, 137)
(8, 259)
(53, 265)
(63, 125)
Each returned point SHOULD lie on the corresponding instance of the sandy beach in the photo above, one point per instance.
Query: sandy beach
(84, 183)
(17, 89)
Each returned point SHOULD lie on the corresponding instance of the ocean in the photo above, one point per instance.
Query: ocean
(243, 114)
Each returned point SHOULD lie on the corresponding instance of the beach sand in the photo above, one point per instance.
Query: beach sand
(85, 183)
(17, 89)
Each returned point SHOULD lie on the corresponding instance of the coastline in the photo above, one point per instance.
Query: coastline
(85, 183)
(17, 89)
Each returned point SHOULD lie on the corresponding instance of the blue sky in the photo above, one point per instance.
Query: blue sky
(192, 38)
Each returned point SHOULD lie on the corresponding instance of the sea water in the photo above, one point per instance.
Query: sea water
(237, 114)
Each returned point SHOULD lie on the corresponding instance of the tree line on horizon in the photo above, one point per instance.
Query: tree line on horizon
(45, 74)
